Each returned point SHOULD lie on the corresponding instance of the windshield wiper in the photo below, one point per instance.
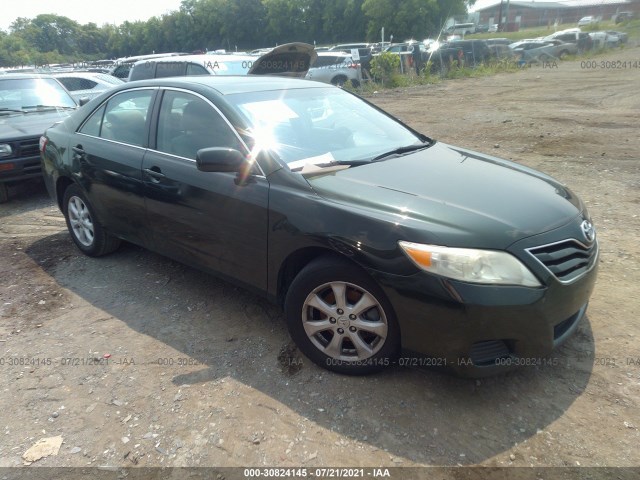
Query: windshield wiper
(401, 151)
(46, 106)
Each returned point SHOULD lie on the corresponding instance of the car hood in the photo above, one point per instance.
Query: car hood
(288, 60)
(461, 197)
(20, 125)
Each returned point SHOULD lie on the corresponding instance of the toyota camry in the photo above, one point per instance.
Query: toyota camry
(374, 238)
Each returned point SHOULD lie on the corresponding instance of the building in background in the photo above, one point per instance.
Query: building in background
(522, 14)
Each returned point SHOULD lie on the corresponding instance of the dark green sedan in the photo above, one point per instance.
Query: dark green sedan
(376, 240)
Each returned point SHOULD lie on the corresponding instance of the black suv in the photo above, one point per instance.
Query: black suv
(29, 104)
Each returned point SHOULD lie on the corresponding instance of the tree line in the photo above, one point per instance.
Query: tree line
(200, 25)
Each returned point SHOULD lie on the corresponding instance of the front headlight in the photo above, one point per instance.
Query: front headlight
(470, 265)
(5, 150)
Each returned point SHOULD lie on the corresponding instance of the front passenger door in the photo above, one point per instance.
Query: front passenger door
(203, 218)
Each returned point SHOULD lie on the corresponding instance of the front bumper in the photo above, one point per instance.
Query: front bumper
(479, 330)
(23, 168)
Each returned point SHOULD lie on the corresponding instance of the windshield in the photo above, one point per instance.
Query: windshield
(31, 93)
(315, 125)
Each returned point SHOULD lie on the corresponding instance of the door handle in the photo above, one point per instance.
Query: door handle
(78, 150)
(155, 172)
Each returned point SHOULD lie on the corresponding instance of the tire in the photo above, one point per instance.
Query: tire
(339, 81)
(341, 336)
(83, 225)
(563, 54)
(4, 192)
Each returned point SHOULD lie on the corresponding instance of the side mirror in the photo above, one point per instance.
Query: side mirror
(83, 101)
(216, 159)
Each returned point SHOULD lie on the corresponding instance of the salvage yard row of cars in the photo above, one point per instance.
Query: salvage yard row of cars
(323, 203)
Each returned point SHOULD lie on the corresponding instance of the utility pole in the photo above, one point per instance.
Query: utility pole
(500, 16)
(507, 14)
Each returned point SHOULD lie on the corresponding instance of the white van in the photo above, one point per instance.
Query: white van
(461, 29)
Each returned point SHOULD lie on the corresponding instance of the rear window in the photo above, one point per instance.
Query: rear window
(325, 60)
(75, 83)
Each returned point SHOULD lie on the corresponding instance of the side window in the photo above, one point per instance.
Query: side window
(195, 69)
(92, 126)
(323, 61)
(125, 117)
(170, 69)
(187, 123)
(122, 71)
(142, 71)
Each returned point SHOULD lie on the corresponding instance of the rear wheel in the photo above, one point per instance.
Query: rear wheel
(339, 81)
(340, 318)
(85, 230)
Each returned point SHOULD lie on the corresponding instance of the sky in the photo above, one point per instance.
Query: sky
(85, 11)
(103, 11)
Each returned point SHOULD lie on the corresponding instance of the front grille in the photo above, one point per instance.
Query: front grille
(567, 260)
(486, 353)
(29, 148)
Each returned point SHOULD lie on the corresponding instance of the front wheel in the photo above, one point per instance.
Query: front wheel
(85, 230)
(340, 318)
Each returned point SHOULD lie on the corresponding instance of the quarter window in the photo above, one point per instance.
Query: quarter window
(92, 126)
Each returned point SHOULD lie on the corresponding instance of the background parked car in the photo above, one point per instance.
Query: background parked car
(86, 84)
(291, 59)
(365, 52)
(122, 66)
(180, 67)
(336, 68)
(573, 35)
(542, 50)
(622, 17)
(623, 37)
(589, 20)
(604, 39)
(474, 52)
(461, 29)
(29, 104)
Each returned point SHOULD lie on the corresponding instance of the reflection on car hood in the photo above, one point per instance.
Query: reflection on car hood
(468, 198)
(19, 125)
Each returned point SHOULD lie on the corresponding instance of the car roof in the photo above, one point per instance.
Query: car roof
(200, 58)
(334, 53)
(230, 84)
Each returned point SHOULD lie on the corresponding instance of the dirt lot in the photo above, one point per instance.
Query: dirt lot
(194, 377)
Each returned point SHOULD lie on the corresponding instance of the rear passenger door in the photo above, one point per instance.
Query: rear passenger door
(109, 147)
